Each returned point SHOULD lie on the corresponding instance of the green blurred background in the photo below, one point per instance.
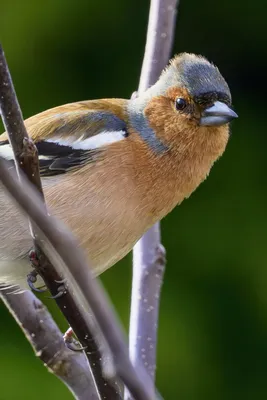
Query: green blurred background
(213, 318)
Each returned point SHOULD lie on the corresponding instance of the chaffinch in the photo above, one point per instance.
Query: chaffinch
(111, 168)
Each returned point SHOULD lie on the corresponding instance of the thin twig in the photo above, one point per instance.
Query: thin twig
(48, 344)
(148, 253)
(26, 159)
(71, 263)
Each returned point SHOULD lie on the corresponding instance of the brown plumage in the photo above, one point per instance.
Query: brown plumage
(126, 183)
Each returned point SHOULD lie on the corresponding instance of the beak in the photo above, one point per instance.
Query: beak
(218, 114)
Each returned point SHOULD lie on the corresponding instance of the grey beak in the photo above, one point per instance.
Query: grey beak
(218, 114)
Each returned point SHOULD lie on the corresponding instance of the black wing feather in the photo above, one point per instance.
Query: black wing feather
(57, 159)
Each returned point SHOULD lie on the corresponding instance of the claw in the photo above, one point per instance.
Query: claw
(32, 276)
(72, 343)
(61, 291)
(31, 279)
(61, 281)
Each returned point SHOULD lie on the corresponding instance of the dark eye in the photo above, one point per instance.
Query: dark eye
(180, 103)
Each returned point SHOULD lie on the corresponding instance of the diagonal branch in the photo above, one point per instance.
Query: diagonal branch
(148, 253)
(26, 159)
(48, 344)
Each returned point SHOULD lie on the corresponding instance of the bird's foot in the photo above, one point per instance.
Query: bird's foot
(32, 279)
(32, 276)
(61, 290)
(72, 343)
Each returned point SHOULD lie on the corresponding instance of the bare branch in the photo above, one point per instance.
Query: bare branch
(148, 253)
(26, 159)
(63, 251)
(48, 344)
(160, 32)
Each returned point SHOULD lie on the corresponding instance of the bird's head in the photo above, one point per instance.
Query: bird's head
(190, 98)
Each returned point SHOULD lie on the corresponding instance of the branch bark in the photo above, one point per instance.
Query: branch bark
(148, 253)
(26, 160)
(48, 344)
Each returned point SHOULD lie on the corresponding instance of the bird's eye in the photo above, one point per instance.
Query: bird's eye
(180, 103)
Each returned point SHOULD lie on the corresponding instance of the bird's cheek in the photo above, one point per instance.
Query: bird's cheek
(175, 127)
(157, 111)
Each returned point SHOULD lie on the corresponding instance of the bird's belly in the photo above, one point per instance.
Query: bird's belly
(106, 224)
(110, 239)
(111, 256)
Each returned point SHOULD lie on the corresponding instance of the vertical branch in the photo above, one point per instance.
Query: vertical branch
(148, 253)
(159, 39)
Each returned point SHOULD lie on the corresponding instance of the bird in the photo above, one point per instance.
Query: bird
(112, 168)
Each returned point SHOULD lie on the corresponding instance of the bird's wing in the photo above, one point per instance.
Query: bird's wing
(72, 135)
